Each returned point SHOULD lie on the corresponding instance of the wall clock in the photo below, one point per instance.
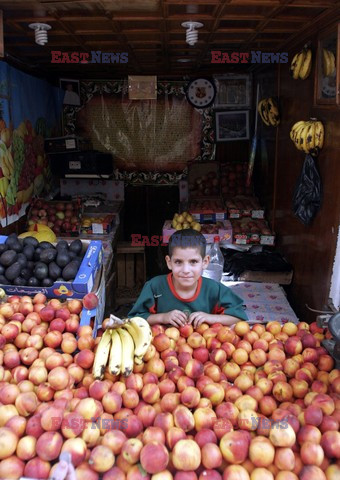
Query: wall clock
(201, 92)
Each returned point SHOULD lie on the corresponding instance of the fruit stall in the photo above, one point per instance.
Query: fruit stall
(122, 123)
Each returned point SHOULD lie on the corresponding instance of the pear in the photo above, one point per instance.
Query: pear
(178, 226)
(196, 226)
(185, 225)
(189, 218)
(180, 219)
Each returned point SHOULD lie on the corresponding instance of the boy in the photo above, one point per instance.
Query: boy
(166, 299)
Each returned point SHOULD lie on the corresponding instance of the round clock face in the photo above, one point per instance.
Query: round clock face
(201, 92)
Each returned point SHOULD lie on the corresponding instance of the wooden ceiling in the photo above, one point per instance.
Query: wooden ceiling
(150, 32)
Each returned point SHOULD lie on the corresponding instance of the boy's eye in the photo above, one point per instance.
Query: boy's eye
(177, 262)
(193, 261)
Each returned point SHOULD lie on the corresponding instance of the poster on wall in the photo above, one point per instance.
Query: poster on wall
(25, 120)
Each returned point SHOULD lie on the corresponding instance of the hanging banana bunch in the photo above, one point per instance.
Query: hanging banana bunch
(301, 65)
(269, 112)
(308, 136)
(122, 344)
(328, 62)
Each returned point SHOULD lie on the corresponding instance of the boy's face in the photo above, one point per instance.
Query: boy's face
(186, 265)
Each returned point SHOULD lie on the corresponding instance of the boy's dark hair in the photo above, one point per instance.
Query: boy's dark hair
(187, 238)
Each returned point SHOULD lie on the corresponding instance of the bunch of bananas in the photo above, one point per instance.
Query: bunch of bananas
(301, 65)
(308, 136)
(182, 221)
(269, 112)
(328, 62)
(119, 348)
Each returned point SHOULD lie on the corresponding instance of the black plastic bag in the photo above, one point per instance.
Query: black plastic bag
(307, 194)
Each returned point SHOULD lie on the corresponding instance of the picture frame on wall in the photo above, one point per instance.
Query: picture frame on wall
(233, 91)
(71, 88)
(231, 126)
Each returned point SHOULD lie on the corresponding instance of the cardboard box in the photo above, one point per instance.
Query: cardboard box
(252, 232)
(82, 284)
(97, 314)
(204, 180)
(97, 223)
(221, 229)
(209, 210)
(243, 206)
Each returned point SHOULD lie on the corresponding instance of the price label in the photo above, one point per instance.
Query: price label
(220, 216)
(97, 228)
(70, 143)
(257, 214)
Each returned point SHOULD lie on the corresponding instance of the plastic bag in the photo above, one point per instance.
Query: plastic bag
(307, 194)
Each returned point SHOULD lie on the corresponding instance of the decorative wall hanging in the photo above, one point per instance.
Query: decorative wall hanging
(173, 92)
(232, 126)
(233, 91)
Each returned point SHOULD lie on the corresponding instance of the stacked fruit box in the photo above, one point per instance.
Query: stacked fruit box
(252, 231)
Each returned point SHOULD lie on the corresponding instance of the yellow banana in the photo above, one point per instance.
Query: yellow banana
(273, 112)
(141, 335)
(297, 135)
(300, 136)
(327, 62)
(310, 140)
(115, 353)
(332, 62)
(319, 134)
(297, 64)
(102, 355)
(294, 128)
(262, 109)
(128, 350)
(306, 66)
(4, 183)
(305, 136)
(293, 64)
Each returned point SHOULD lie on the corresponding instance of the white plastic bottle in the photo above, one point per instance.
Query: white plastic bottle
(215, 267)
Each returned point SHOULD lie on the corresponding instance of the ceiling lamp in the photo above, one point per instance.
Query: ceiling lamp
(192, 33)
(40, 32)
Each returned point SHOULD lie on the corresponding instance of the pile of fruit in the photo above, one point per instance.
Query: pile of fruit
(308, 136)
(32, 263)
(251, 226)
(269, 112)
(211, 228)
(121, 347)
(215, 403)
(182, 221)
(206, 206)
(205, 185)
(233, 179)
(61, 217)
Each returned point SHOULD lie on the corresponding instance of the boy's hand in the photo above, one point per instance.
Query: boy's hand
(176, 318)
(196, 318)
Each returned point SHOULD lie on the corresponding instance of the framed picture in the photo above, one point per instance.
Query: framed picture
(327, 72)
(232, 126)
(72, 91)
(233, 91)
(142, 87)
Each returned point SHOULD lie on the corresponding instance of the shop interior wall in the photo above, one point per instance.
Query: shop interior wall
(311, 249)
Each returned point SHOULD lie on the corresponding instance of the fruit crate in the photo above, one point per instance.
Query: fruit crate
(243, 206)
(210, 210)
(204, 180)
(233, 180)
(131, 272)
(97, 223)
(63, 217)
(222, 229)
(77, 288)
(248, 231)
